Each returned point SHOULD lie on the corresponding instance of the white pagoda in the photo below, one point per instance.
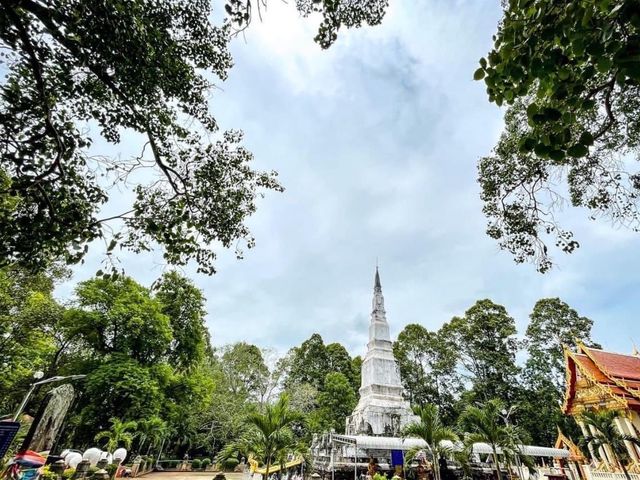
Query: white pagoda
(381, 409)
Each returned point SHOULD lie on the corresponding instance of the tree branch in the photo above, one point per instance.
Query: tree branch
(36, 68)
(43, 14)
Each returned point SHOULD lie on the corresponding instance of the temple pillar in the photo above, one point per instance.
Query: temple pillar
(634, 420)
(605, 451)
(586, 434)
(625, 428)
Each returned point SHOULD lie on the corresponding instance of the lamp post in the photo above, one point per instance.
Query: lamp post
(37, 376)
(505, 416)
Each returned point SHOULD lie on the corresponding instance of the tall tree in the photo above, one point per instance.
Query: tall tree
(30, 321)
(340, 361)
(117, 388)
(485, 341)
(570, 73)
(226, 414)
(335, 402)
(309, 363)
(120, 317)
(427, 368)
(553, 325)
(183, 303)
(244, 368)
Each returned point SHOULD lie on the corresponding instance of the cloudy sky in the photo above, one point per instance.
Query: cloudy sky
(376, 142)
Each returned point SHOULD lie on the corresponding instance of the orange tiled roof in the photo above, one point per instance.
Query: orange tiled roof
(587, 364)
(615, 364)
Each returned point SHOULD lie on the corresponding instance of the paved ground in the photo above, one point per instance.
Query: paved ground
(189, 476)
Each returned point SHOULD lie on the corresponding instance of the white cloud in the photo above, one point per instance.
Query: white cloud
(376, 141)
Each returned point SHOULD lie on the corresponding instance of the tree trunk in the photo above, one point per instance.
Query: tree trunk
(495, 460)
(624, 469)
(509, 466)
(436, 463)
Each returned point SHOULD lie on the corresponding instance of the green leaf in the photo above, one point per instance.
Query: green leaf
(552, 114)
(556, 155)
(578, 150)
(586, 138)
(604, 64)
(479, 74)
(539, 118)
(527, 144)
(542, 150)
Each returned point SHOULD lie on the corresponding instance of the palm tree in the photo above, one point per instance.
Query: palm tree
(270, 431)
(607, 433)
(430, 429)
(484, 424)
(463, 456)
(290, 445)
(119, 433)
(151, 432)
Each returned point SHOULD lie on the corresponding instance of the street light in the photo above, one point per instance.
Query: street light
(38, 375)
(505, 416)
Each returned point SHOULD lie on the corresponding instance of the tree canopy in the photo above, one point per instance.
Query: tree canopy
(142, 67)
(336, 401)
(427, 366)
(569, 73)
(485, 339)
(147, 358)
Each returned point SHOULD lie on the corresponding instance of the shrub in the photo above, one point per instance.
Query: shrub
(230, 463)
(196, 464)
(111, 469)
(173, 463)
(205, 463)
(220, 476)
(68, 473)
(47, 474)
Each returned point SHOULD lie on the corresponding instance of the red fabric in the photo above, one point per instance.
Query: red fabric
(30, 458)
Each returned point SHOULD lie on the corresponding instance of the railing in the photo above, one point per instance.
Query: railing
(600, 475)
(542, 473)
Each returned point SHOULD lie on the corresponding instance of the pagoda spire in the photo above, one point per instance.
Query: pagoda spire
(379, 328)
(381, 409)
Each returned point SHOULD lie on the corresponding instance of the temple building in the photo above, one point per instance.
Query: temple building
(598, 380)
(381, 410)
(373, 430)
